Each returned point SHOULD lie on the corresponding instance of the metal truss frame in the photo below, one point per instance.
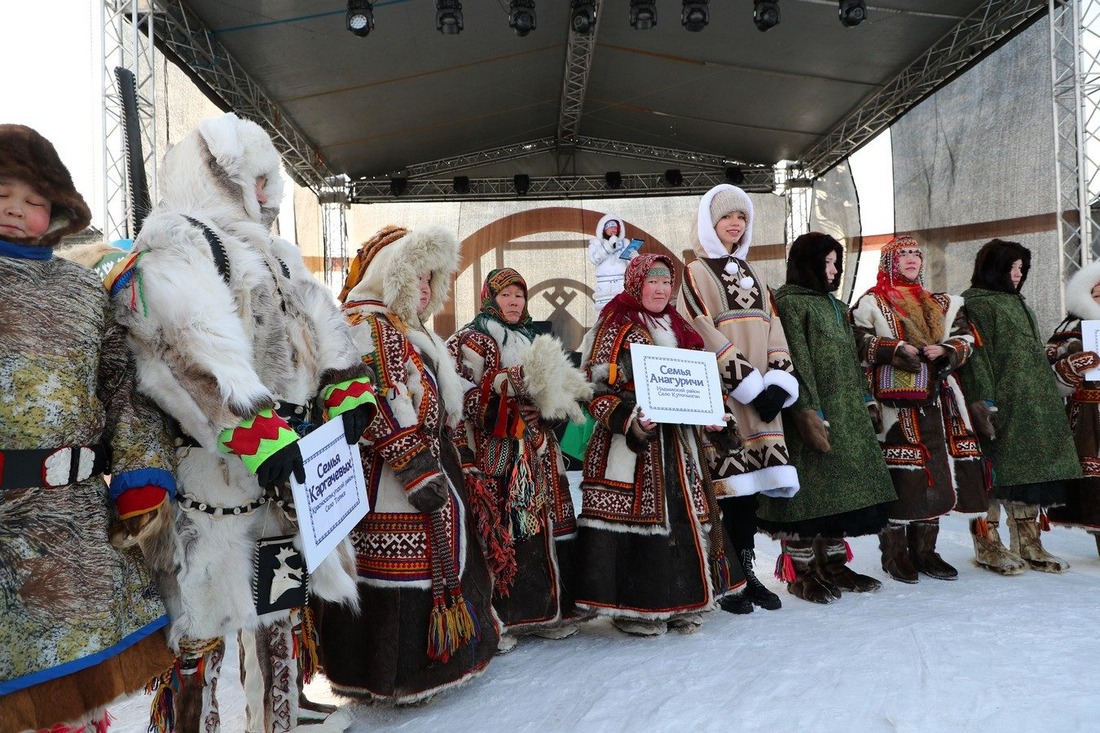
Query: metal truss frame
(578, 64)
(129, 45)
(977, 34)
(1075, 79)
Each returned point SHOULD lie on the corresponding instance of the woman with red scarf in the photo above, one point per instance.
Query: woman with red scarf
(653, 552)
(912, 342)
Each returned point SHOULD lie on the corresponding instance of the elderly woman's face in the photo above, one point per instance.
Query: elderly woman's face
(511, 301)
(656, 292)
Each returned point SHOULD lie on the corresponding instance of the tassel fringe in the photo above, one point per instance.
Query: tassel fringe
(305, 644)
(450, 627)
(1044, 520)
(847, 551)
(784, 568)
(981, 527)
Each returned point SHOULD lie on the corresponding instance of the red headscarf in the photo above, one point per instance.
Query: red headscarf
(627, 305)
(890, 284)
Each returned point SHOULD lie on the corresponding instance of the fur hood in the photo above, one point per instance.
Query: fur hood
(806, 262)
(1079, 300)
(603, 222)
(993, 265)
(705, 239)
(213, 170)
(28, 157)
(391, 274)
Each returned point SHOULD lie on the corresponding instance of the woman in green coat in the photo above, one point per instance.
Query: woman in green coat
(845, 485)
(1015, 404)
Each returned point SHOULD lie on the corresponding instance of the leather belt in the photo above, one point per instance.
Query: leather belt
(52, 467)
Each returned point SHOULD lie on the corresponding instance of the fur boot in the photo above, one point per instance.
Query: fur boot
(832, 556)
(1024, 531)
(922, 550)
(895, 554)
(755, 591)
(640, 627)
(269, 675)
(804, 579)
(195, 702)
(989, 552)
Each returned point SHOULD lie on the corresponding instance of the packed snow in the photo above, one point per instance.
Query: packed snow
(984, 652)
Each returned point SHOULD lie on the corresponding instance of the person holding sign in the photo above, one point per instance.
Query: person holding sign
(731, 307)
(912, 342)
(427, 622)
(845, 482)
(653, 554)
(1016, 407)
(522, 384)
(237, 341)
(1075, 368)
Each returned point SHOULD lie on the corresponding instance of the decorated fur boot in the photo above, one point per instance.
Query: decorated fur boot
(798, 567)
(922, 550)
(833, 556)
(989, 552)
(895, 554)
(1023, 532)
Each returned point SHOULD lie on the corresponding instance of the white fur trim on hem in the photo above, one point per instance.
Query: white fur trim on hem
(780, 482)
(780, 378)
(651, 530)
(750, 387)
(636, 615)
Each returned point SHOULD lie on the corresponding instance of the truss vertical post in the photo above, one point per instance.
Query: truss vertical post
(127, 41)
(334, 204)
(1075, 78)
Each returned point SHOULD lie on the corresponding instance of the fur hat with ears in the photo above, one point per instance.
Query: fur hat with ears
(993, 266)
(806, 262)
(212, 171)
(392, 260)
(30, 158)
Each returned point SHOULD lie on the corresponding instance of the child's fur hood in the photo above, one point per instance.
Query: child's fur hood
(28, 157)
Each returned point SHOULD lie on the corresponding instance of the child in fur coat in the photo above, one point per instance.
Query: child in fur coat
(83, 622)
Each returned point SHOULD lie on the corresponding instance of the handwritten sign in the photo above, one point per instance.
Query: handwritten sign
(334, 497)
(677, 385)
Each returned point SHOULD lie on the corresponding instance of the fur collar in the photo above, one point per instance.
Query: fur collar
(1079, 300)
(513, 351)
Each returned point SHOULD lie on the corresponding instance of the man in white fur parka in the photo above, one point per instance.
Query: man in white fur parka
(235, 339)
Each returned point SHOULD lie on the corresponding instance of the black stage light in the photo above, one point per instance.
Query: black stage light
(613, 179)
(462, 184)
(852, 12)
(521, 16)
(360, 17)
(643, 14)
(522, 182)
(765, 13)
(673, 177)
(583, 17)
(448, 17)
(398, 185)
(735, 175)
(695, 15)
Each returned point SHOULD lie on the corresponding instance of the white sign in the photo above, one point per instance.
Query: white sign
(1090, 341)
(677, 385)
(334, 496)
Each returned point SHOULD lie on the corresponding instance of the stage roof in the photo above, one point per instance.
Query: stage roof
(563, 108)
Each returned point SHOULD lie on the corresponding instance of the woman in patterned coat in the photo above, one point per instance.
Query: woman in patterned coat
(82, 620)
(930, 447)
(730, 305)
(1071, 365)
(522, 384)
(427, 622)
(653, 554)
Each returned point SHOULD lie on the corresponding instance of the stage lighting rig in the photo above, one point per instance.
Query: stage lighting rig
(448, 17)
(765, 13)
(582, 18)
(521, 16)
(643, 14)
(852, 12)
(360, 17)
(695, 15)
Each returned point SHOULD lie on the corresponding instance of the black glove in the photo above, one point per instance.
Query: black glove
(429, 496)
(769, 402)
(356, 421)
(280, 465)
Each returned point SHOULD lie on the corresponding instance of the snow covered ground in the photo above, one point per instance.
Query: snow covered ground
(984, 652)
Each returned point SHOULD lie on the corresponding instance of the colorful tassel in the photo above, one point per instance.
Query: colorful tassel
(784, 568)
(162, 711)
(981, 527)
(1044, 520)
(305, 643)
(847, 551)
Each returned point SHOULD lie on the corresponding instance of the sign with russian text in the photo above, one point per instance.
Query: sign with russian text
(334, 497)
(677, 385)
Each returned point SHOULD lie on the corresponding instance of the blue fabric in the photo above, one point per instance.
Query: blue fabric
(139, 477)
(45, 675)
(25, 251)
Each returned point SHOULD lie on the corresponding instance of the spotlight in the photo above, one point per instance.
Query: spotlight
(765, 13)
(521, 16)
(643, 14)
(583, 18)
(522, 182)
(673, 177)
(398, 186)
(360, 17)
(852, 12)
(695, 15)
(613, 179)
(448, 17)
(462, 184)
(735, 175)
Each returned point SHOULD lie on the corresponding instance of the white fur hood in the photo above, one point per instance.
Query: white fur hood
(1079, 300)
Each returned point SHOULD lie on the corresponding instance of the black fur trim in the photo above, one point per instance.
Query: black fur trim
(806, 262)
(856, 523)
(993, 266)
